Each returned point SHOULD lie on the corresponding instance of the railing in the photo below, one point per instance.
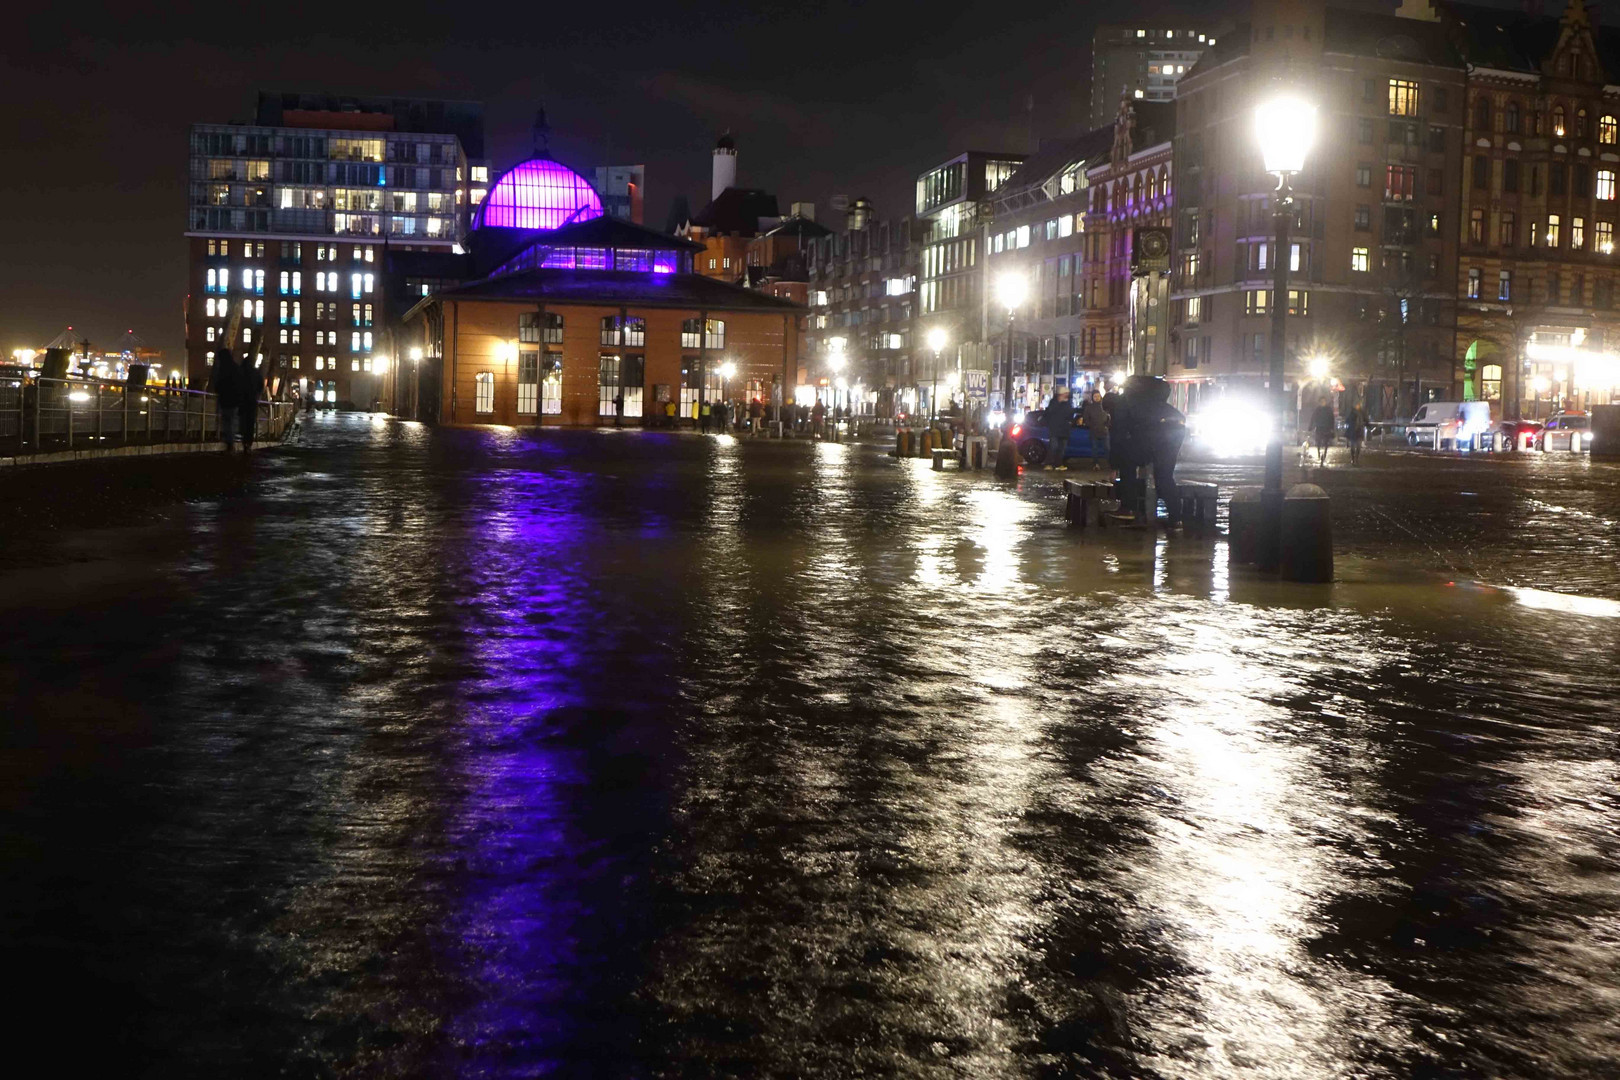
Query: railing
(41, 416)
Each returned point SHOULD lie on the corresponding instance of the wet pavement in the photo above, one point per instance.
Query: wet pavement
(403, 752)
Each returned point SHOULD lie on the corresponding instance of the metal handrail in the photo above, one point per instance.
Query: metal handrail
(41, 415)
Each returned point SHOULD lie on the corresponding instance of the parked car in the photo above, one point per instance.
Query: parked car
(1030, 436)
(1566, 431)
(1445, 424)
(1515, 433)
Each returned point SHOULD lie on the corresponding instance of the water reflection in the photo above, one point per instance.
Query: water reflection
(501, 753)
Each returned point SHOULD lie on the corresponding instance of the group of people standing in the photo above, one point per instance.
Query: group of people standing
(238, 387)
(1132, 429)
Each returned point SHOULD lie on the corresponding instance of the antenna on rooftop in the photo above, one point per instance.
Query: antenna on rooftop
(542, 134)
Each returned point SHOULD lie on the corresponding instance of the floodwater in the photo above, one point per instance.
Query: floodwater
(488, 754)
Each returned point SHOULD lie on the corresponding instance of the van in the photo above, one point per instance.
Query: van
(1448, 425)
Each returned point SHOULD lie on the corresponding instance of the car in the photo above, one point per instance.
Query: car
(1566, 431)
(1516, 434)
(1030, 436)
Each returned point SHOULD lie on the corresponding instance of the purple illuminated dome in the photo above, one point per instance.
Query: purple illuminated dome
(539, 194)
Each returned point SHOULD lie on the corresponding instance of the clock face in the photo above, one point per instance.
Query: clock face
(1154, 245)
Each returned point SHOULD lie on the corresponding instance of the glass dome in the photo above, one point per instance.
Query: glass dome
(539, 194)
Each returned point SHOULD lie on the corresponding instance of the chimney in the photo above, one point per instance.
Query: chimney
(725, 165)
(805, 210)
(858, 214)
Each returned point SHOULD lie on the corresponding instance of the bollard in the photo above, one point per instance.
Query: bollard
(1605, 436)
(1307, 535)
(1243, 524)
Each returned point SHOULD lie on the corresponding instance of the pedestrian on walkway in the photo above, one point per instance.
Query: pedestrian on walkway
(618, 409)
(247, 403)
(1355, 432)
(1167, 429)
(756, 415)
(705, 417)
(669, 414)
(1096, 420)
(1059, 423)
(1322, 426)
(818, 417)
(225, 383)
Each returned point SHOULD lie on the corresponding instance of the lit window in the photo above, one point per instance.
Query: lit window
(1023, 236)
(1504, 285)
(1359, 260)
(484, 392)
(1577, 233)
(480, 174)
(354, 285)
(1403, 97)
(208, 333)
(1608, 130)
(1605, 184)
(1473, 283)
(1553, 230)
(1605, 237)
(354, 341)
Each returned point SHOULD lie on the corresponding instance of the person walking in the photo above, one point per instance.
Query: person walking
(818, 417)
(1322, 426)
(618, 409)
(225, 383)
(756, 415)
(705, 417)
(669, 414)
(1096, 420)
(1059, 423)
(247, 402)
(1355, 432)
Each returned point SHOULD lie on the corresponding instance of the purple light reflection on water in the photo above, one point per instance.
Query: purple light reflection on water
(541, 878)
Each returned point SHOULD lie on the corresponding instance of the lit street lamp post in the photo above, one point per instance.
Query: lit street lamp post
(1285, 127)
(936, 342)
(1010, 291)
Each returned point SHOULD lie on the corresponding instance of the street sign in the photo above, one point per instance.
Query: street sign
(977, 385)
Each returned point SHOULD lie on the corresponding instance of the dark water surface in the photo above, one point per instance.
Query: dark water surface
(485, 754)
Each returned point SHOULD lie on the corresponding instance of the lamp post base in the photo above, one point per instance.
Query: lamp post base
(1006, 458)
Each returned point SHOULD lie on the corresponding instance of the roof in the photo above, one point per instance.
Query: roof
(616, 287)
(736, 211)
(614, 232)
(463, 119)
(1056, 155)
(540, 193)
(1155, 123)
(801, 227)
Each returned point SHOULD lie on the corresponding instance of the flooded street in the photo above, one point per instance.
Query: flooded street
(490, 754)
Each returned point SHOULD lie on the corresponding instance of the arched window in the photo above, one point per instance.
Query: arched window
(1482, 115)
(1558, 120)
(1580, 124)
(1510, 118)
(1608, 130)
(1152, 186)
(1164, 181)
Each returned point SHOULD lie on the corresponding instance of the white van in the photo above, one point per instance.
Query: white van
(1448, 425)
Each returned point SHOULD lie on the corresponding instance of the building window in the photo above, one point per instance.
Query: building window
(551, 386)
(528, 383)
(1604, 240)
(1364, 130)
(691, 333)
(1482, 116)
(1299, 302)
(1506, 229)
(1504, 285)
(1434, 224)
(1363, 176)
(1553, 231)
(1195, 309)
(1577, 233)
(483, 392)
(714, 334)
(1580, 123)
(1473, 283)
(607, 385)
(1482, 172)
(1476, 226)
(1510, 118)
(1359, 260)
(1510, 175)
(1608, 131)
(610, 330)
(1400, 182)
(1403, 98)
(1364, 218)
(1605, 184)
(1558, 120)
(1256, 302)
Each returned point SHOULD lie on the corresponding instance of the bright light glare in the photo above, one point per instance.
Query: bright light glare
(836, 361)
(1591, 606)
(1319, 367)
(1541, 383)
(1285, 127)
(1230, 427)
(416, 354)
(937, 338)
(728, 369)
(78, 395)
(379, 364)
(1011, 288)
(1118, 378)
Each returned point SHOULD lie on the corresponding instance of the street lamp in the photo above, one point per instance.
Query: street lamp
(936, 341)
(1285, 127)
(1011, 288)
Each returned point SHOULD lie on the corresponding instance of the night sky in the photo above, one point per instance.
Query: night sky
(824, 99)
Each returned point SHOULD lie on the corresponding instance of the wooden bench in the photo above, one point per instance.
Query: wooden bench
(1197, 505)
(1079, 499)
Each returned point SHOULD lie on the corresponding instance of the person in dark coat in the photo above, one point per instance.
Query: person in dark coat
(818, 417)
(1322, 426)
(225, 383)
(251, 390)
(1059, 423)
(1355, 432)
(1096, 421)
(1166, 430)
